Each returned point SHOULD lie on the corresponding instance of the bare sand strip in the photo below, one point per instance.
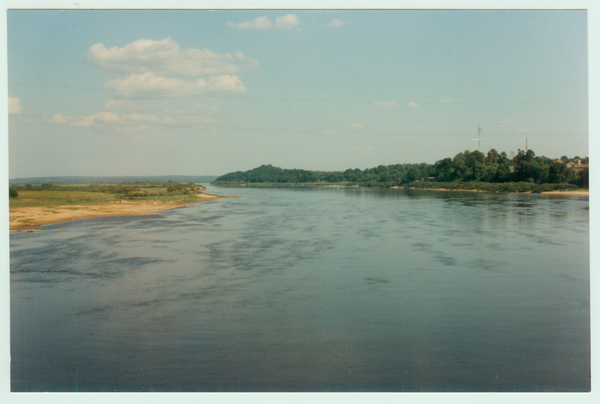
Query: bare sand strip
(579, 192)
(28, 217)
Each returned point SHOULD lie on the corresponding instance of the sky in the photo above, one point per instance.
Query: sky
(201, 92)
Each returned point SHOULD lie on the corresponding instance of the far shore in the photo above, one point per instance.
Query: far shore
(31, 217)
(579, 192)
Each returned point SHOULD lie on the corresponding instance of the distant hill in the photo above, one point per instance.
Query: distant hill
(87, 180)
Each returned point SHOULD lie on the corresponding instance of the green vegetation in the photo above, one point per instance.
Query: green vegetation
(496, 172)
(12, 192)
(91, 194)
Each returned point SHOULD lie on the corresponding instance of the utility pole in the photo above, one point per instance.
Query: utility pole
(526, 146)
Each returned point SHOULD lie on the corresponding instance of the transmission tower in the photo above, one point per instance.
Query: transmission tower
(478, 137)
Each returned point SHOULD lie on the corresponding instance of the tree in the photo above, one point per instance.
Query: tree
(414, 174)
(530, 155)
(12, 192)
(492, 156)
(460, 164)
(556, 172)
(444, 170)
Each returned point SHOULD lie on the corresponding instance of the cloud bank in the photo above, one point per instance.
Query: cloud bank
(165, 56)
(137, 84)
(102, 117)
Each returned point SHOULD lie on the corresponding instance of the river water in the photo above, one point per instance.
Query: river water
(314, 289)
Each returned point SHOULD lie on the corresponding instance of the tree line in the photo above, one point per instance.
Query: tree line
(467, 166)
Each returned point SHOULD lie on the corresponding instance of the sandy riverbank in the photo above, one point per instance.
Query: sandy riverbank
(579, 192)
(585, 192)
(28, 217)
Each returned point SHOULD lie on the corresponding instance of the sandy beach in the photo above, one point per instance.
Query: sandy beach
(585, 192)
(581, 192)
(28, 217)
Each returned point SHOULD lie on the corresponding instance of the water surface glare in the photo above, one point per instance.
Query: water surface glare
(315, 289)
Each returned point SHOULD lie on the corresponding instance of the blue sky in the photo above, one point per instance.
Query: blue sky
(208, 92)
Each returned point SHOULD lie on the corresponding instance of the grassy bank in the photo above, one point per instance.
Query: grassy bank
(43, 204)
(93, 194)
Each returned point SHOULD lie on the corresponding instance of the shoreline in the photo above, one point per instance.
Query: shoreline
(26, 219)
(578, 192)
(562, 193)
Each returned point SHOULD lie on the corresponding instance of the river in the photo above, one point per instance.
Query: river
(309, 289)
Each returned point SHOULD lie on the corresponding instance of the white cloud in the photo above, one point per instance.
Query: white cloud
(384, 105)
(335, 23)
(102, 117)
(413, 104)
(166, 56)
(357, 125)
(259, 23)
(137, 84)
(448, 101)
(522, 130)
(14, 106)
(505, 122)
(287, 21)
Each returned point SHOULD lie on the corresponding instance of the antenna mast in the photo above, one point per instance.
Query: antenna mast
(478, 137)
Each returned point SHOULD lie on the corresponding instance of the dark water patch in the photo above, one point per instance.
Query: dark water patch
(136, 262)
(462, 244)
(420, 246)
(162, 241)
(495, 247)
(486, 265)
(65, 271)
(376, 281)
(95, 310)
(444, 259)
(542, 240)
(146, 303)
(271, 242)
(196, 295)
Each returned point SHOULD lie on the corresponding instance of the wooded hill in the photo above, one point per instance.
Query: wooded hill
(469, 166)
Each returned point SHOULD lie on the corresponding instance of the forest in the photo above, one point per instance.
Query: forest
(521, 170)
